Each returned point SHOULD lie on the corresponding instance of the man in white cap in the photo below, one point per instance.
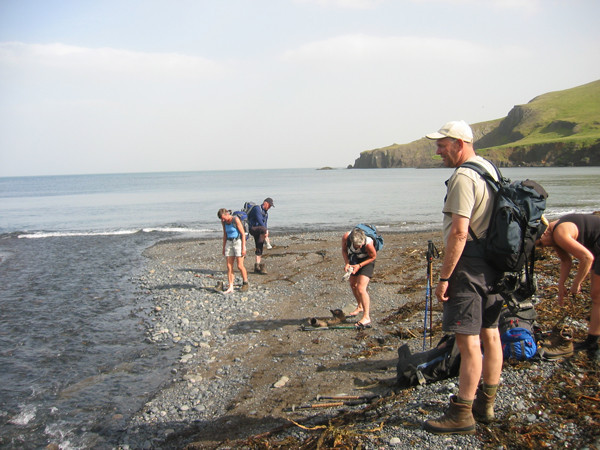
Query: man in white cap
(471, 310)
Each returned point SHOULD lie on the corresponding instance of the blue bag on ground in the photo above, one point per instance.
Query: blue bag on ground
(517, 331)
(518, 343)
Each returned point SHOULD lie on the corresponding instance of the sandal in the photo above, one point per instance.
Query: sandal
(360, 326)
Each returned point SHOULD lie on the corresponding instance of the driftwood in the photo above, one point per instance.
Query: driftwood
(338, 317)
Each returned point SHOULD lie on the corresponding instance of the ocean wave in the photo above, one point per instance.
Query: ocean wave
(170, 230)
(50, 234)
(177, 230)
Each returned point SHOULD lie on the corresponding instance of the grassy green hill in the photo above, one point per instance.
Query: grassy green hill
(559, 128)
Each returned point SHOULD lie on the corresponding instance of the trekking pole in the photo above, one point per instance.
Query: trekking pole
(432, 252)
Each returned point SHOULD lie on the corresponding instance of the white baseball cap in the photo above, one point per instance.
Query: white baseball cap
(457, 129)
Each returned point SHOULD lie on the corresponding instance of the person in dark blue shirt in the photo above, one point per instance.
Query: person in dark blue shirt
(257, 221)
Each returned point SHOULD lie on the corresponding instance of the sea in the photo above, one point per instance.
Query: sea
(74, 363)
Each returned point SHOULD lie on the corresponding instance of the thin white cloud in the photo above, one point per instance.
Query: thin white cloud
(528, 6)
(105, 60)
(361, 49)
(346, 4)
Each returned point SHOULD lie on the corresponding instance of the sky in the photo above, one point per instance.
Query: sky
(117, 86)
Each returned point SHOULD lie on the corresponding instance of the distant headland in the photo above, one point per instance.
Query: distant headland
(559, 128)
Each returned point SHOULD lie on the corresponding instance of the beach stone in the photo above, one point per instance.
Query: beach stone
(281, 382)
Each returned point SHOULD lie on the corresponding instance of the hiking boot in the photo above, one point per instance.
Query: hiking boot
(559, 345)
(458, 419)
(557, 336)
(245, 286)
(262, 269)
(483, 407)
(256, 268)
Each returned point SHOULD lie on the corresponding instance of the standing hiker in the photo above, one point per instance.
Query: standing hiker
(578, 235)
(257, 220)
(359, 255)
(234, 247)
(471, 311)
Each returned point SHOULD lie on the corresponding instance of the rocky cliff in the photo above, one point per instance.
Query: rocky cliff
(555, 129)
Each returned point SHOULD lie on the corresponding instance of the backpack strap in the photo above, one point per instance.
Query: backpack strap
(513, 351)
(487, 176)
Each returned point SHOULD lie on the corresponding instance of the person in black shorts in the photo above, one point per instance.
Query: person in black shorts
(359, 255)
(258, 217)
(578, 236)
(466, 285)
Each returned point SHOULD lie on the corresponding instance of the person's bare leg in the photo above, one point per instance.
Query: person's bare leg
(363, 299)
(230, 276)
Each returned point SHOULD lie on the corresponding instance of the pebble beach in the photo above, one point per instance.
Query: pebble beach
(251, 374)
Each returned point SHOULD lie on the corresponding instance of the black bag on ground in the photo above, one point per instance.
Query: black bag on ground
(439, 363)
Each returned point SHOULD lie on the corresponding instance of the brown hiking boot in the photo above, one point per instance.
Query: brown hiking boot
(262, 269)
(558, 335)
(558, 345)
(245, 286)
(483, 407)
(256, 268)
(458, 419)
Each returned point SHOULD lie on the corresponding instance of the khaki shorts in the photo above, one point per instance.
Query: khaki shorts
(233, 248)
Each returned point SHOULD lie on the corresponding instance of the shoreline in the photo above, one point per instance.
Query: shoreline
(245, 361)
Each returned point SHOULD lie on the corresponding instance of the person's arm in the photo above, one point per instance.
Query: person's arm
(566, 262)
(459, 230)
(256, 217)
(261, 216)
(240, 228)
(345, 251)
(565, 237)
(224, 237)
(371, 252)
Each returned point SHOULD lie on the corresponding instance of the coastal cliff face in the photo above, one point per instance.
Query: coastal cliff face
(421, 154)
(555, 129)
